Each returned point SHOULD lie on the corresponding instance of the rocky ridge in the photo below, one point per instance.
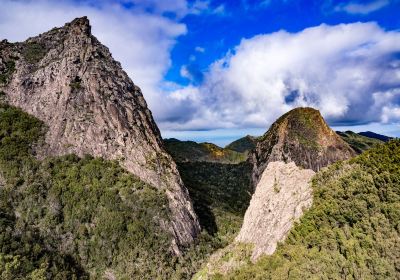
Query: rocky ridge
(69, 80)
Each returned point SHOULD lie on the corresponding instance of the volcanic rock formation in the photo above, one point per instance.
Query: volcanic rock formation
(69, 80)
(301, 136)
(284, 161)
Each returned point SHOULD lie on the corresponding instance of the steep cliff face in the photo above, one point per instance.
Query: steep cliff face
(282, 195)
(69, 80)
(301, 136)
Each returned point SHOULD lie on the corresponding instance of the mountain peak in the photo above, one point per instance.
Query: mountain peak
(284, 160)
(81, 24)
(66, 78)
(302, 136)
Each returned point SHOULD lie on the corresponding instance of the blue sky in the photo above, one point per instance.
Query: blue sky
(215, 70)
(217, 33)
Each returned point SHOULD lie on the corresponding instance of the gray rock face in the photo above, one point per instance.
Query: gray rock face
(282, 195)
(69, 80)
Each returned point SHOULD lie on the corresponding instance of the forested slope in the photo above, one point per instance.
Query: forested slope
(352, 231)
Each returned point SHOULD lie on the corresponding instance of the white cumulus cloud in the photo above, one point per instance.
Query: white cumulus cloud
(351, 72)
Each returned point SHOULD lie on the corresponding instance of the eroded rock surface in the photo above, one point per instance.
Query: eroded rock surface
(301, 136)
(282, 195)
(69, 80)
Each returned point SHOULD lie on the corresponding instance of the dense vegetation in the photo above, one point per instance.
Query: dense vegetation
(352, 231)
(243, 145)
(73, 218)
(185, 151)
(218, 181)
(220, 194)
(358, 142)
(80, 218)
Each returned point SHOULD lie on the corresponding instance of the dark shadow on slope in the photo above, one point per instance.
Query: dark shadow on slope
(220, 193)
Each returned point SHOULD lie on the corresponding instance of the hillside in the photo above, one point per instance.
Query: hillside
(67, 79)
(243, 145)
(190, 151)
(350, 232)
(78, 218)
(358, 142)
(374, 135)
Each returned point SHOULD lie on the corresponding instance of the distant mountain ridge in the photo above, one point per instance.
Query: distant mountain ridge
(358, 142)
(374, 135)
(244, 144)
(190, 151)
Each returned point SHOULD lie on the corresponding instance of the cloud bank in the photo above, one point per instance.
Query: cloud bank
(351, 72)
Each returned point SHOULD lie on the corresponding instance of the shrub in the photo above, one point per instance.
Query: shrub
(6, 74)
(33, 52)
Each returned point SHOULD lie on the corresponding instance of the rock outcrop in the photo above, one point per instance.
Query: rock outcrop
(285, 158)
(301, 136)
(69, 80)
(281, 197)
